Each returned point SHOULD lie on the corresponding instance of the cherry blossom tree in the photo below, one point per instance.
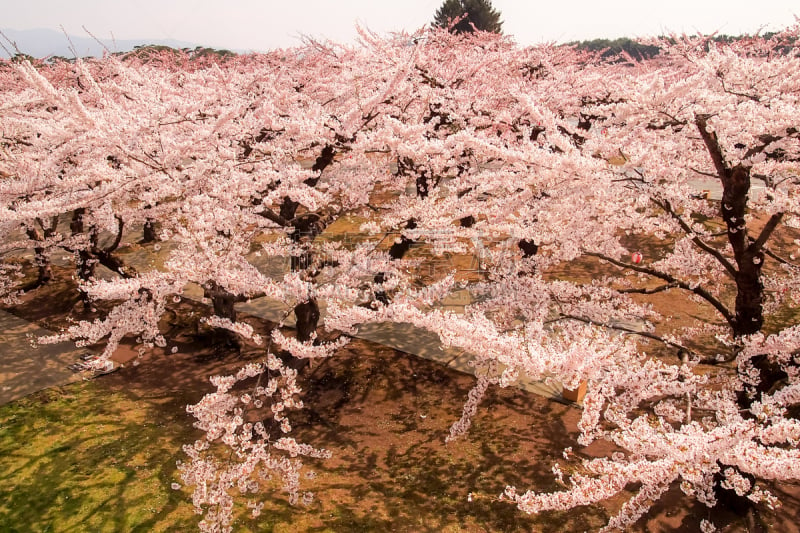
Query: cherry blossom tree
(537, 158)
(700, 113)
(623, 154)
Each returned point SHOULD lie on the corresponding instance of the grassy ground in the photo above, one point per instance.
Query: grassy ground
(83, 458)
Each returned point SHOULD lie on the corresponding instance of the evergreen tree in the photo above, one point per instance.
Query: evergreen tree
(477, 15)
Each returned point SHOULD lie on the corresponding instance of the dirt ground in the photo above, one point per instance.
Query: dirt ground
(384, 415)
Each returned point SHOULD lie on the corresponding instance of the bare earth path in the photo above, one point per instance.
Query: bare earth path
(25, 368)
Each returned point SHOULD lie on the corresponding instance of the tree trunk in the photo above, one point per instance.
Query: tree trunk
(399, 249)
(222, 301)
(149, 231)
(85, 264)
(307, 315)
(40, 259)
(749, 316)
(44, 266)
(749, 297)
(528, 247)
(749, 256)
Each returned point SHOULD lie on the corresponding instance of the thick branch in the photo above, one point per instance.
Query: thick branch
(114, 245)
(699, 291)
(274, 217)
(667, 207)
(766, 232)
(712, 144)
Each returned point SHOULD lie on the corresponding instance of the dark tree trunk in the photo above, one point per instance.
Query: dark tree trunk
(300, 262)
(86, 269)
(748, 256)
(221, 300)
(89, 258)
(86, 265)
(224, 306)
(528, 247)
(76, 224)
(749, 317)
(288, 208)
(380, 294)
(399, 249)
(307, 314)
(40, 259)
(45, 270)
(149, 231)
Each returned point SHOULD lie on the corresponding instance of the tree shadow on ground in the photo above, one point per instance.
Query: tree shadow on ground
(387, 415)
(92, 460)
(106, 463)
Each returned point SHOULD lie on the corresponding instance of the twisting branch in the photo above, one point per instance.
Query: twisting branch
(725, 88)
(667, 207)
(624, 329)
(699, 291)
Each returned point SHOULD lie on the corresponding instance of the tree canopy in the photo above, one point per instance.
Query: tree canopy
(669, 186)
(471, 15)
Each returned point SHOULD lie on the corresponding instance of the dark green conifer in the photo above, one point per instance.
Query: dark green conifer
(477, 15)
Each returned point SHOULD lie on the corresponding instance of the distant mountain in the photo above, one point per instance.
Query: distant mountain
(42, 43)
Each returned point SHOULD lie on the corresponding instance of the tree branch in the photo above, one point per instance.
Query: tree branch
(114, 245)
(649, 291)
(721, 259)
(699, 291)
(712, 145)
(624, 329)
(766, 232)
(274, 217)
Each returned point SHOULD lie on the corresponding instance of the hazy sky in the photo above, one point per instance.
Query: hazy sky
(264, 24)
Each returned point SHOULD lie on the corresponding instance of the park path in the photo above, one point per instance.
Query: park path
(27, 368)
(405, 338)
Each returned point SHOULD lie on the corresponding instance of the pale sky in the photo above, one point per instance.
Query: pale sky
(265, 24)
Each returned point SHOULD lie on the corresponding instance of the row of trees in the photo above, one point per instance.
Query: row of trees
(568, 156)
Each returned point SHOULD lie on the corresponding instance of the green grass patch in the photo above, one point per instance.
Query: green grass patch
(80, 458)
